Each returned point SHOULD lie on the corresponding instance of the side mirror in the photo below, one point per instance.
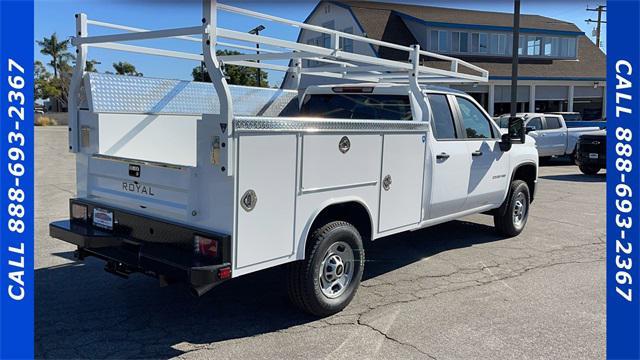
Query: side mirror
(529, 129)
(516, 134)
(505, 143)
(517, 130)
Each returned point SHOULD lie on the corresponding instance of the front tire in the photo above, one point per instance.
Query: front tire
(327, 279)
(512, 215)
(589, 170)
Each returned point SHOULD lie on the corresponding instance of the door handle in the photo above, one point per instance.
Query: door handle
(476, 153)
(442, 156)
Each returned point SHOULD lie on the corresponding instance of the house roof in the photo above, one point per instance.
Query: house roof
(384, 21)
(465, 17)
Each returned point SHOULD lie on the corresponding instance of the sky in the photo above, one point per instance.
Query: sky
(58, 16)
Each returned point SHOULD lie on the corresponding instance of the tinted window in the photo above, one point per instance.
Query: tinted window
(535, 123)
(552, 122)
(357, 106)
(475, 123)
(444, 127)
(572, 117)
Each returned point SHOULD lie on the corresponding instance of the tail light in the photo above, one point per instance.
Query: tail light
(79, 212)
(205, 246)
(224, 273)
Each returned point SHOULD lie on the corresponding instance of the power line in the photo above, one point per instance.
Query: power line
(600, 9)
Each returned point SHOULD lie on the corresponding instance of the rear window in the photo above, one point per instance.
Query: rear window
(572, 117)
(357, 106)
(443, 120)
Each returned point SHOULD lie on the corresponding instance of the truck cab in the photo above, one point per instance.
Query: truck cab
(463, 153)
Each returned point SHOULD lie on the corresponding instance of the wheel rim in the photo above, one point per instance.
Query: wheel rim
(336, 269)
(520, 210)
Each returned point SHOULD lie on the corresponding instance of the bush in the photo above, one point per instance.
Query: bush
(45, 121)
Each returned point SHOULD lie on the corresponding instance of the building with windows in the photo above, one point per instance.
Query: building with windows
(560, 68)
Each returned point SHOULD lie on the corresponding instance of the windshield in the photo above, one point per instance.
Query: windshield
(357, 106)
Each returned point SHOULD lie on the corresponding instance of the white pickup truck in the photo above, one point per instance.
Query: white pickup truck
(204, 182)
(552, 136)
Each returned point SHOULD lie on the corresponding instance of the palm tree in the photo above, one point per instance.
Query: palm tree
(57, 50)
(90, 65)
(125, 68)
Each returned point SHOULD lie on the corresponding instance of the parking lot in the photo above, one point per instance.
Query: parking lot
(454, 291)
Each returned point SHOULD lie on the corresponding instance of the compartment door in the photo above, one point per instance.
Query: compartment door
(266, 172)
(401, 180)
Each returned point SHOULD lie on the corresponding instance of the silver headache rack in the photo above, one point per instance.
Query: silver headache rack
(338, 64)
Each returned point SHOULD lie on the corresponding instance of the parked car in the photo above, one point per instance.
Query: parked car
(591, 152)
(552, 136)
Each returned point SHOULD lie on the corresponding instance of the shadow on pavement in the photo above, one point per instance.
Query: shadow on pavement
(83, 312)
(556, 161)
(577, 177)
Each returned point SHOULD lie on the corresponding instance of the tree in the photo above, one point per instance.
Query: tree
(57, 50)
(90, 66)
(236, 75)
(46, 86)
(41, 81)
(125, 68)
(56, 87)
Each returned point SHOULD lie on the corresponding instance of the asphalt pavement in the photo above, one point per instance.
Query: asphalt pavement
(453, 291)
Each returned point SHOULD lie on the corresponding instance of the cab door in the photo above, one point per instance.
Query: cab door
(555, 136)
(489, 166)
(451, 163)
(539, 135)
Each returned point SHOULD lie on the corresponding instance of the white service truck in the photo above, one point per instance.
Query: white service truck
(204, 182)
(550, 132)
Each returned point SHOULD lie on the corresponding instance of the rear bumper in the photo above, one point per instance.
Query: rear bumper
(588, 146)
(170, 261)
(583, 159)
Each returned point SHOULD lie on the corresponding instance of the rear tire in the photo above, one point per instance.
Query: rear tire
(511, 217)
(589, 170)
(327, 279)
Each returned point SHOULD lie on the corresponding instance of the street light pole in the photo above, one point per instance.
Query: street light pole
(256, 31)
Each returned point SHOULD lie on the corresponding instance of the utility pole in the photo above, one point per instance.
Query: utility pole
(514, 59)
(600, 9)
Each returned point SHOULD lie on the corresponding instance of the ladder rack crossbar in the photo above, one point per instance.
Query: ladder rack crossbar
(338, 63)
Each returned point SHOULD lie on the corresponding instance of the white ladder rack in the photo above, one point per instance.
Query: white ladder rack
(339, 64)
(342, 64)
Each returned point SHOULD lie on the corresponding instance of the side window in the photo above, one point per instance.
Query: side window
(444, 127)
(552, 122)
(474, 122)
(535, 123)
